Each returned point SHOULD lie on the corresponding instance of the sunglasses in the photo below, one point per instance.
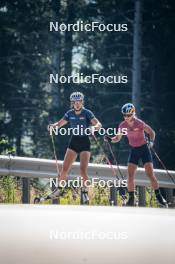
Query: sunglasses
(77, 101)
(127, 115)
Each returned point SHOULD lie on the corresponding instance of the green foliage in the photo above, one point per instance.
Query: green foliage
(151, 198)
(100, 196)
(6, 148)
(9, 190)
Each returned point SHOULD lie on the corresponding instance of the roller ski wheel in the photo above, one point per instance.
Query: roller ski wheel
(38, 200)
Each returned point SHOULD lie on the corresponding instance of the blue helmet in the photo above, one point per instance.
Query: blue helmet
(76, 96)
(128, 109)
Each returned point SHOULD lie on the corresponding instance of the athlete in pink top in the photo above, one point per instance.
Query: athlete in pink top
(140, 149)
(136, 132)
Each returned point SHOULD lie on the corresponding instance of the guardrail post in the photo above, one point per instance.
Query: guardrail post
(113, 195)
(81, 197)
(25, 190)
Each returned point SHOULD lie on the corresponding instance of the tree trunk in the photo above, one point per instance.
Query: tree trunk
(136, 83)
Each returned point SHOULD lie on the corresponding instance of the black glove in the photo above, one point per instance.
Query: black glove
(150, 144)
(50, 125)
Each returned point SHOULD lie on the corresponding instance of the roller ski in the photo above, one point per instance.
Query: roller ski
(161, 201)
(58, 192)
(84, 196)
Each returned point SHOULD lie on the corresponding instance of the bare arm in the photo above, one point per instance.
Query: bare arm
(117, 138)
(60, 123)
(150, 132)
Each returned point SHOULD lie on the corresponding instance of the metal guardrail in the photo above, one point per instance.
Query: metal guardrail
(44, 168)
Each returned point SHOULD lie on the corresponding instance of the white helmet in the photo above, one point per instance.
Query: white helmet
(76, 96)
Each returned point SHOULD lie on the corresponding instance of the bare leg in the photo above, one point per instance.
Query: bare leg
(131, 176)
(69, 158)
(149, 171)
(84, 161)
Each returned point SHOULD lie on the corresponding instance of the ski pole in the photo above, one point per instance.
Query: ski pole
(108, 161)
(38, 200)
(116, 163)
(55, 155)
(163, 165)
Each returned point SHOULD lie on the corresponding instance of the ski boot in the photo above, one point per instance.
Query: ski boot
(131, 200)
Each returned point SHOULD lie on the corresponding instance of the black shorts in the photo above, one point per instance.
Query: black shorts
(143, 152)
(79, 143)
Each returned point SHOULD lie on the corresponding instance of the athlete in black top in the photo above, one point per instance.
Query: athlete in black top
(81, 118)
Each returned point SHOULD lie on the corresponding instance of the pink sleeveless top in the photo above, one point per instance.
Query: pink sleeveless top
(135, 134)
